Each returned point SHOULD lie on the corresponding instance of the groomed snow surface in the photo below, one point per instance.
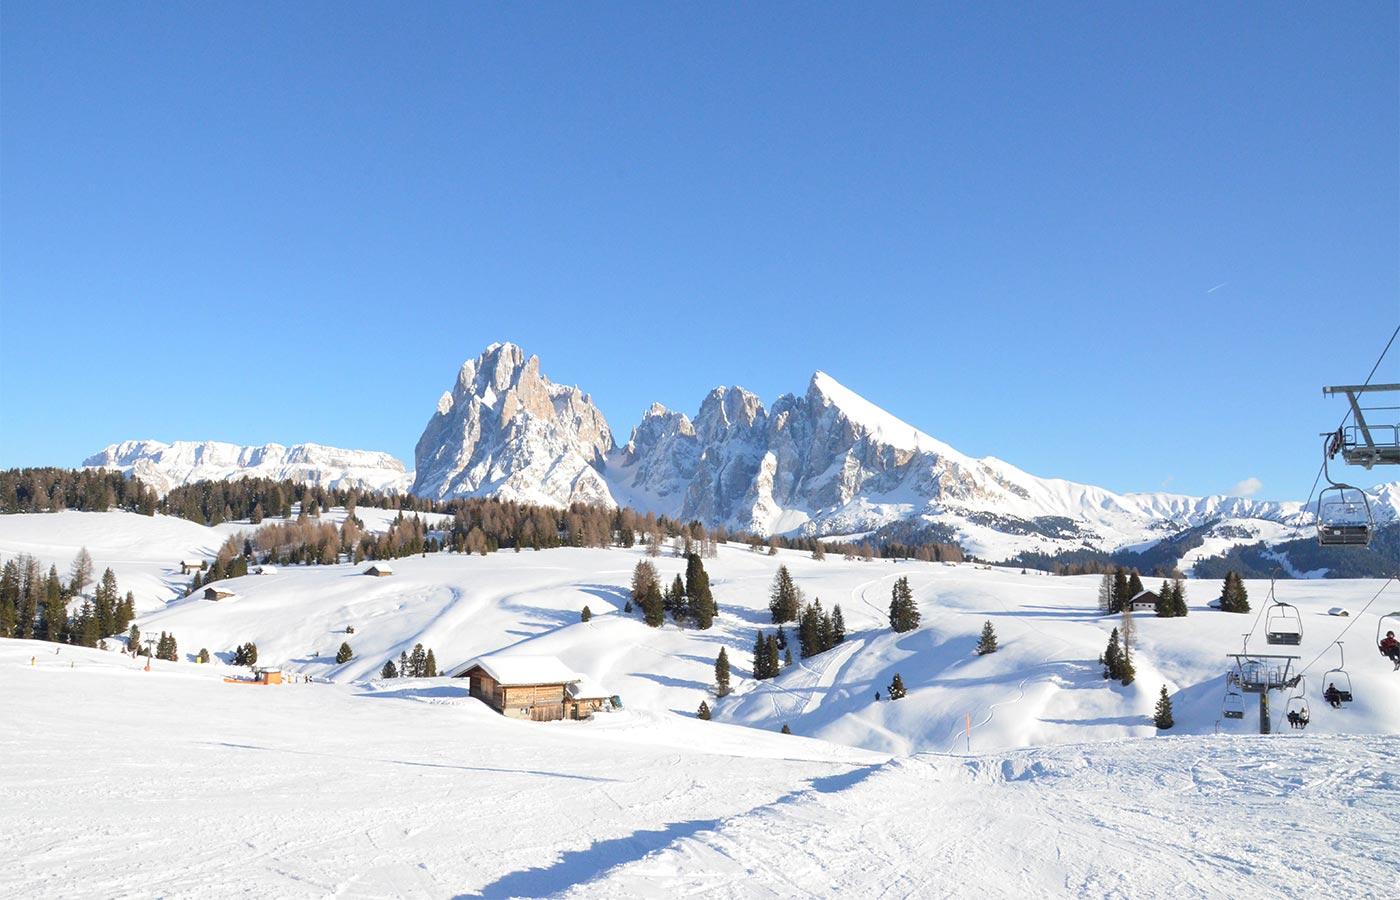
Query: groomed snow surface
(118, 782)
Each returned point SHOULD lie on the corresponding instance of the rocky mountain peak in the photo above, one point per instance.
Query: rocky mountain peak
(507, 430)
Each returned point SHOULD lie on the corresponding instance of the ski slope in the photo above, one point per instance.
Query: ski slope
(121, 782)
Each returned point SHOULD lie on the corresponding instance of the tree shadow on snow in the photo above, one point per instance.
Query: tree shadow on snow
(581, 866)
(613, 594)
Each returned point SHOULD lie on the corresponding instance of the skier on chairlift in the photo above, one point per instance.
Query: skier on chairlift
(1390, 648)
(1333, 696)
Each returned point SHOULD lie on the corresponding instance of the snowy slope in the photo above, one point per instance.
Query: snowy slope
(358, 787)
(199, 789)
(165, 466)
(1042, 687)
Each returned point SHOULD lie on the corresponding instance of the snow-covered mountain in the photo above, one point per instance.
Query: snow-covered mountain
(166, 466)
(505, 430)
(828, 462)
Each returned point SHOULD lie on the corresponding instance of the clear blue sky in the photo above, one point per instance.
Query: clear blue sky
(1124, 244)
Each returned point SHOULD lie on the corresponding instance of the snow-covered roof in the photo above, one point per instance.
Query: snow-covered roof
(587, 689)
(381, 567)
(1145, 597)
(512, 670)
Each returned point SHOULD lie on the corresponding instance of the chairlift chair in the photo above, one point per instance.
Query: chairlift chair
(1339, 676)
(1388, 622)
(1233, 706)
(1283, 624)
(1343, 512)
(1298, 700)
(1344, 517)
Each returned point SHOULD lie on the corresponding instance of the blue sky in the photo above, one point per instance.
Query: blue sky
(1121, 244)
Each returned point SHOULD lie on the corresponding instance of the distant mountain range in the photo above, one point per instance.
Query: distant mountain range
(828, 462)
(164, 466)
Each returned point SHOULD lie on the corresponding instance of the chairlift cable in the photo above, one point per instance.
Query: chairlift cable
(1353, 620)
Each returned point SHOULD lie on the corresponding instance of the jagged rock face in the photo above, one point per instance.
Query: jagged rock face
(507, 431)
(165, 466)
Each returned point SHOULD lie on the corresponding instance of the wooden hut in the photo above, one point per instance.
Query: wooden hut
(521, 687)
(1145, 601)
(214, 593)
(586, 696)
(379, 570)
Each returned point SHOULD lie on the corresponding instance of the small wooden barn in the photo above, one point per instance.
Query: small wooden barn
(521, 687)
(214, 593)
(379, 570)
(586, 696)
(1145, 601)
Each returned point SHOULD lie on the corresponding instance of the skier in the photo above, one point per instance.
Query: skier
(1390, 647)
(1333, 696)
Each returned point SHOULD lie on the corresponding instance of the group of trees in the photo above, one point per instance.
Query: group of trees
(246, 654)
(1233, 597)
(688, 602)
(819, 631)
(420, 663)
(904, 612)
(1173, 599)
(766, 661)
(166, 648)
(1117, 588)
(90, 490)
(1117, 661)
(36, 605)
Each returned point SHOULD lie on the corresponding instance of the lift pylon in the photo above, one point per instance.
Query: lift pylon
(1366, 443)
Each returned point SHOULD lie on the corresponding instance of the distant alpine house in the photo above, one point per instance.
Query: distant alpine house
(536, 688)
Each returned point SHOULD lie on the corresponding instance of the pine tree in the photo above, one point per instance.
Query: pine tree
(1129, 671)
(1106, 594)
(784, 599)
(809, 631)
(1134, 584)
(760, 657)
(430, 669)
(585, 615)
(699, 601)
(203, 655)
(703, 712)
(774, 659)
(1120, 590)
(782, 637)
(838, 625)
(1165, 608)
(417, 662)
(80, 573)
(133, 639)
(785, 729)
(389, 671)
(1179, 597)
(1128, 627)
(1112, 659)
(904, 613)
(896, 688)
(1234, 598)
(1163, 716)
(644, 580)
(54, 622)
(722, 673)
(403, 664)
(987, 643)
(654, 606)
(674, 600)
(345, 654)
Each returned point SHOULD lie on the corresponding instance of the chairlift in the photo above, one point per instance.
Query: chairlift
(1233, 707)
(1283, 625)
(1297, 705)
(1384, 630)
(1343, 514)
(1339, 676)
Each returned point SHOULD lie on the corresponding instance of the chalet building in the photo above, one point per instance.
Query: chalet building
(1144, 601)
(536, 688)
(586, 696)
(191, 565)
(379, 570)
(216, 594)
